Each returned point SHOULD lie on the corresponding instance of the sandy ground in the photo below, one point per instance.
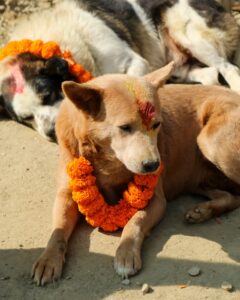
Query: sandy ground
(27, 188)
(28, 166)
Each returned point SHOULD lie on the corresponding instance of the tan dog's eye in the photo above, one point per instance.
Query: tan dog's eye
(126, 128)
(156, 125)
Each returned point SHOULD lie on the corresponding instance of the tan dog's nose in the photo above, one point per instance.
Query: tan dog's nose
(149, 166)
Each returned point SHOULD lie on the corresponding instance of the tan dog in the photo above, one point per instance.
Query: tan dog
(127, 125)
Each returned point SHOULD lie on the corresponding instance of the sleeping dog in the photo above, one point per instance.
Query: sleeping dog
(117, 36)
(186, 128)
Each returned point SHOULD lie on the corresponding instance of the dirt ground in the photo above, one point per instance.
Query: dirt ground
(27, 188)
(28, 166)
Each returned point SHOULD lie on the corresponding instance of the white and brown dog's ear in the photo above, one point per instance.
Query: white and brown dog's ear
(4, 67)
(86, 97)
(160, 76)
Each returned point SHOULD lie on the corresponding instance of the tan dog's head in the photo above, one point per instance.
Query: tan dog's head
(123, 114)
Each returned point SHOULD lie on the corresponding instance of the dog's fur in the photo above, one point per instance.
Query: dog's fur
(227, 4)
(194, 132)
(120, 36)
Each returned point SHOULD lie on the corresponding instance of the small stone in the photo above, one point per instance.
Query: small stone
(5, 278)
(146, 288)
(126, 281)
(194, 271)
(227, 286)
(68, 278)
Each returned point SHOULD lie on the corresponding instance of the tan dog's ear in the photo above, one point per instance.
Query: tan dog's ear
(85, 96)
(160, 76)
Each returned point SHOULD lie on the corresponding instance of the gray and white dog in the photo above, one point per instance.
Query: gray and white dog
(117, 36)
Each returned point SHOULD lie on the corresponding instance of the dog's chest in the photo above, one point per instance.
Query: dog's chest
(112, 177)
(110, 174)
(112, 180)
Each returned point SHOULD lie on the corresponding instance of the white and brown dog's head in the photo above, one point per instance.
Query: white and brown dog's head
(30, 88)
(122, 114)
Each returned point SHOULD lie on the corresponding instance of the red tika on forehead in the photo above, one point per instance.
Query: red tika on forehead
(147, 112)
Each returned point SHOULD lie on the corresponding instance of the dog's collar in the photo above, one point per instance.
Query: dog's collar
(46, 51)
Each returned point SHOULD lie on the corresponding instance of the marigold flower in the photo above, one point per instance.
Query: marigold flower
(86, 195)
(79, 167)
(50, 49)
(136, 196)
(99, 218)
(24, 46)
(67, 55)
(77, 69)
(77, 184)
(12, 48)
(36, 47)
(86, 77)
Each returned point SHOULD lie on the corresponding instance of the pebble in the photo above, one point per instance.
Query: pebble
(194, 271)
(5, 278)
(146, 288)
(126, 281)
(227, 286)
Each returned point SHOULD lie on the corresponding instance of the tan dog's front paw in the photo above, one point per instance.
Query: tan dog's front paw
(48, 267)
(198, 214)
(127, 260)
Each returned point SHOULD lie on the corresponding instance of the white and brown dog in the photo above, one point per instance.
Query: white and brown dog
(127, 36)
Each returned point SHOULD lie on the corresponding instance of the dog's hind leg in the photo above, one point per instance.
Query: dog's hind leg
(219, 139)
(138, 66)
(205, 33)
(207, 54)
(206, 76)
(128, 255)
(221, 202)
(190, 74)
(219, 144)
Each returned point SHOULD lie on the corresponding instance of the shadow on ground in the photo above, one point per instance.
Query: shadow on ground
(168, 253)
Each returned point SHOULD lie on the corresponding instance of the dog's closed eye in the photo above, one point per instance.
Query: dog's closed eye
(126, 128)
(156, 125)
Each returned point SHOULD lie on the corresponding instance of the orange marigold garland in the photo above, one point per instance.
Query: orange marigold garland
(91, 203)
(46, 51)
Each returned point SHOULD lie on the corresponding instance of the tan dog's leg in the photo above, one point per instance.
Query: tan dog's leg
(48, 266)
(128, 255)
(222, 202)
